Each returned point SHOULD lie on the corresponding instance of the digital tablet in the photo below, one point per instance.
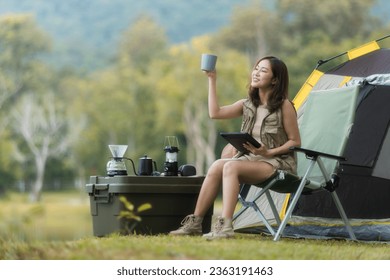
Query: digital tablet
(237, 139)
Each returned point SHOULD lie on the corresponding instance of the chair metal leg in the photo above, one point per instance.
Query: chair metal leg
(294, 201)
(242, 210)
(336, 200)
(343, 215)
(273, 207)
(243, 202)
(263, 219)
(252, 204)
(282, 224)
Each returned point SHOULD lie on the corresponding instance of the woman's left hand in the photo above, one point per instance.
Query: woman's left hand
(262, 151)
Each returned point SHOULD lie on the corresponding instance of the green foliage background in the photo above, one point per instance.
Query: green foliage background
(87, 32)
(127, 72)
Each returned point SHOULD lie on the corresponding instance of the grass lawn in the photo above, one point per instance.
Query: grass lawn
(251, 247)
(60, 227)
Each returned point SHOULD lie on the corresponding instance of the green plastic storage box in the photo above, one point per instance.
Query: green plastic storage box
(172, 198)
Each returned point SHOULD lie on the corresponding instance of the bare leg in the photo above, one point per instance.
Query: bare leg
(235, 172)
(210, 188)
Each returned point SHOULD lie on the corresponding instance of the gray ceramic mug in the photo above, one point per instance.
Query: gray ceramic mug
(208, 62)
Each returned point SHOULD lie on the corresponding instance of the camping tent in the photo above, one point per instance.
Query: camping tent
(364, 186)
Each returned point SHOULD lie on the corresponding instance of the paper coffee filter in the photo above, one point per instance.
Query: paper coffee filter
(118, 150)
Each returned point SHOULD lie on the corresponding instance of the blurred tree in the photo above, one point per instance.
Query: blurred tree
(45, 130)
(106, 107)
(251, 31)
(118, 104)
(21, 43)
(337, 19)
(184, 105)
(312, 31)
(142, 45)
(10, 170)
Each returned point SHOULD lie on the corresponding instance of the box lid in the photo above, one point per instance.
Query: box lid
(145, 184)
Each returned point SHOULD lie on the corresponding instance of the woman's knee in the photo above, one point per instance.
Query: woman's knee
(230, 168)
(218, 164)
(216, 168)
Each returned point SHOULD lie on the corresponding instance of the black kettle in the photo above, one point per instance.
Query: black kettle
(145, 167)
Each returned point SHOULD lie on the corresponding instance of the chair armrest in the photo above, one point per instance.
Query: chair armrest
(315, 154)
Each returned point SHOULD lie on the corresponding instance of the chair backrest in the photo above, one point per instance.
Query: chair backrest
(325, 125)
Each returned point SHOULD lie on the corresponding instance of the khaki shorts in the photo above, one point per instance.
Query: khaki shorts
(251, 157)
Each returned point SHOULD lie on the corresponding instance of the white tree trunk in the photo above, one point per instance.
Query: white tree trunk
(41, 126)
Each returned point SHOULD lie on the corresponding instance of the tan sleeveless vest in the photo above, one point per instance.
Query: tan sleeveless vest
(272, 133)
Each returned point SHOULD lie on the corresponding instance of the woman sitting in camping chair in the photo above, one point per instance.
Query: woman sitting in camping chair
(271, 119)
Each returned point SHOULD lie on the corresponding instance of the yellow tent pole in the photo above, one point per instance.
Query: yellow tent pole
(307, 87)
(363, 49)
(316, 74)
(345, 80)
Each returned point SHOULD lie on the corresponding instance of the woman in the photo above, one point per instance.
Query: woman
(271, 119)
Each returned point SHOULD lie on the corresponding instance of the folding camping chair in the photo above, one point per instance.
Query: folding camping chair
(324, 128)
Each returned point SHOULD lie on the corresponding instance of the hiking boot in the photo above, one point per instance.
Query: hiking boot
(223, 228)
(191, 225)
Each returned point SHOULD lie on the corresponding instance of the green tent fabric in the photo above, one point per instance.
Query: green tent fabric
(335, 125)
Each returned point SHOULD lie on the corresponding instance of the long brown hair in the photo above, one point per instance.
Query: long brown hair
(280, 88)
